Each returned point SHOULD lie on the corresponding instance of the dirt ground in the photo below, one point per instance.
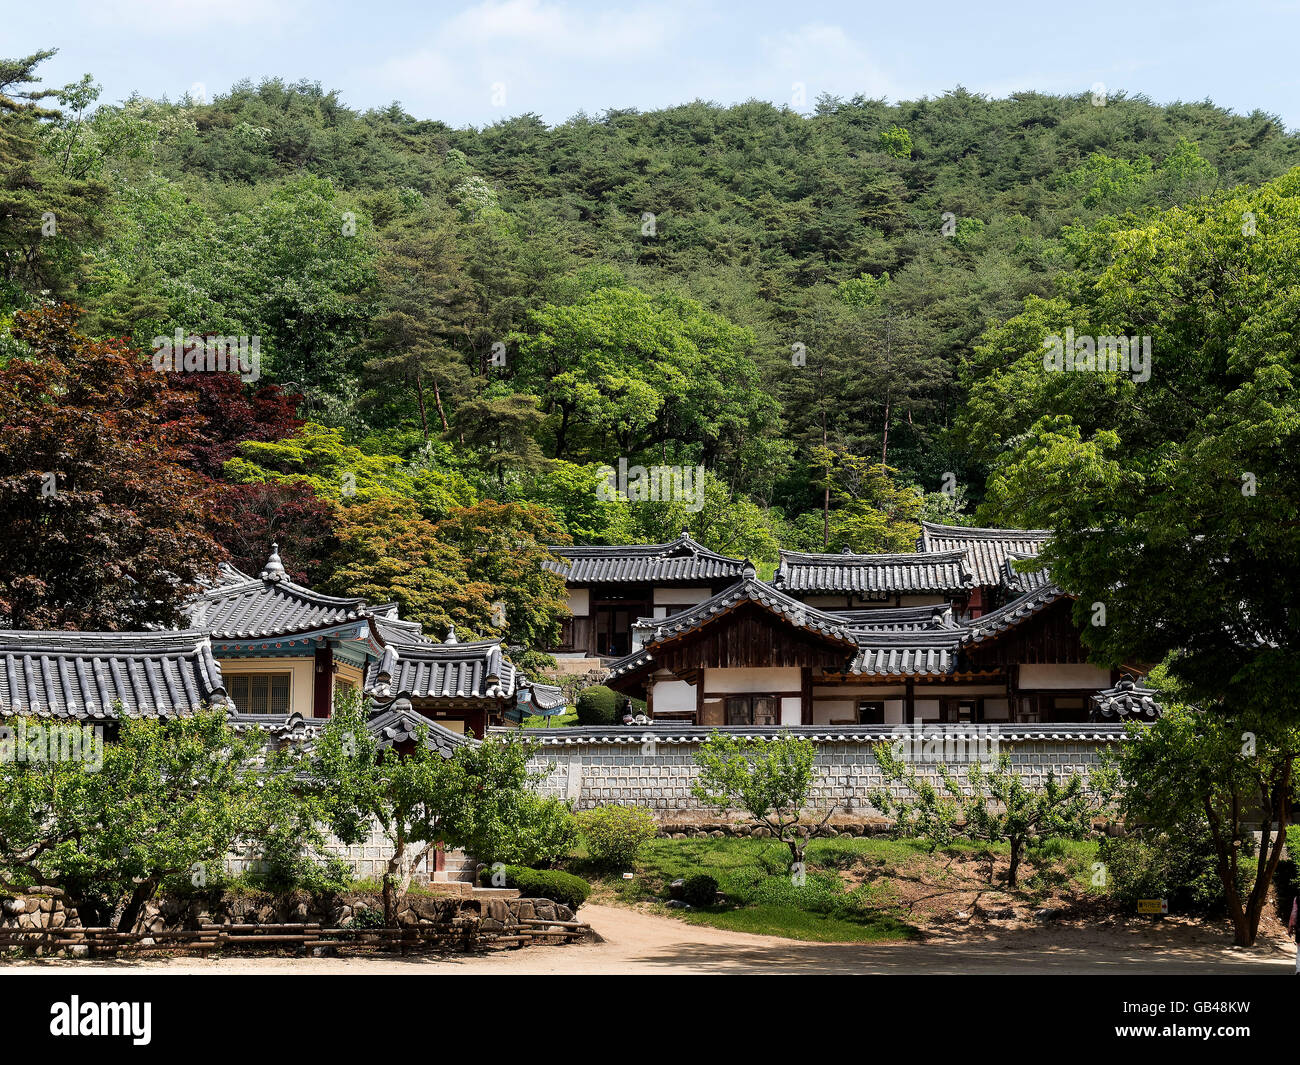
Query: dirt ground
(637, 942)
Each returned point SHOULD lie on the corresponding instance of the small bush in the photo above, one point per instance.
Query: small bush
(616, 834)
(368, 918)
(553, 884)
(544, 834)
(1151, 865)
(598, 705)
(700, 890)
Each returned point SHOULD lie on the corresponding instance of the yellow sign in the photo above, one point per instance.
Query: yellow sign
(1153, 906)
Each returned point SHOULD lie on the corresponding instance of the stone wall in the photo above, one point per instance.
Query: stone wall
(488, 911)
(655, 767)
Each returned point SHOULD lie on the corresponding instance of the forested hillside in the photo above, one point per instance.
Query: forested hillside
(458, 326)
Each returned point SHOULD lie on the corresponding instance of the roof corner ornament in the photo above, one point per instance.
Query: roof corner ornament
(451, 635)
(274, 568)
(748, 571)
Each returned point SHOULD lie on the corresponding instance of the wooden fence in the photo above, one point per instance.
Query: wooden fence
(307, 938)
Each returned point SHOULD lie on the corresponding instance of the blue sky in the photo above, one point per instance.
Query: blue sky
(474, 63)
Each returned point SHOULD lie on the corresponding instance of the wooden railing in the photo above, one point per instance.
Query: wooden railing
(209, 938)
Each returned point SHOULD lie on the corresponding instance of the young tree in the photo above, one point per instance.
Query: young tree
(418, 796)
(104, 527)
(994, 806)
(769, 779)
(1232, 772)
(170, 798)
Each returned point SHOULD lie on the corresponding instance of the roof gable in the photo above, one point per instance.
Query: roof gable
(681, 560)
(986, 549)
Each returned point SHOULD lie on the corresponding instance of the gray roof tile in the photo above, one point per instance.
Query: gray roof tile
(681, 561)
(915, 573)
(986, 549)
(85, 675)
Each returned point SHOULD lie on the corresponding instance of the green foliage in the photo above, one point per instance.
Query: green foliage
(614, 835)
(166, 799)
(1180, 866)
(598, 705)
(993, 806)
(1234, 772)
(897, 142)
(553, 884)
(769, 779)
(544, 833)
(474, 799)
(700, 890)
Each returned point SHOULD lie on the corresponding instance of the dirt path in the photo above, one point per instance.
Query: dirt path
(637, 942)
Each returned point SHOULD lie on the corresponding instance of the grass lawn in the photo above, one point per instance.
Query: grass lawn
(569, 717)
(857, 890)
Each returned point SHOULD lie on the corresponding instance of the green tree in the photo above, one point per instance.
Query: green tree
(771, 780)
(417, 796)
(1175, 472)
(1233, 772)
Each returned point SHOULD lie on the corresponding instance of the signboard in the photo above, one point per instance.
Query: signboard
(1153, 905)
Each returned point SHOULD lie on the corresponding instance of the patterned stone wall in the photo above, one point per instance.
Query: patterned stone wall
(657, 770)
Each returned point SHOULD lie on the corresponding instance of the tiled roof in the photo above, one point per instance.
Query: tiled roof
(986, 549)
(240, 607)
(1128, 701)
(920, 572)
(899, 619)
(1020, 582)
(668, 733)
(392, 629)
(463, 671)
(998, 621)
(750, 589)
(399, 723)
(916, 654)
(85, 674)
(681, 561)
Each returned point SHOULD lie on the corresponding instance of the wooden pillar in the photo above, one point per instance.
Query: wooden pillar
(909, 701)
(805, 696)
(1013, 692)
(322, 704)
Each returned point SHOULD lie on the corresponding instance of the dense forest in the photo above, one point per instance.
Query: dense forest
(458, 327)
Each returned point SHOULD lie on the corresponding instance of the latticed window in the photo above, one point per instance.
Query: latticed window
(259, 693)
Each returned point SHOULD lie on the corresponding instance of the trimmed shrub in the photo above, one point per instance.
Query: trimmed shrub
(553, 884)
(544, 833)
(598, 705)
(616, 834)
(700, 890)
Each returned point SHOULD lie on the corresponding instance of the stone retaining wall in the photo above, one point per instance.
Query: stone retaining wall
(655, 767)
(493, 911)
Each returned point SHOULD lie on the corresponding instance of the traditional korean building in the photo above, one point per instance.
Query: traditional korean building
(954, 632)
(274, 654)
(611, 587)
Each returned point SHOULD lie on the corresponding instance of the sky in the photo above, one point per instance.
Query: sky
(479, 62)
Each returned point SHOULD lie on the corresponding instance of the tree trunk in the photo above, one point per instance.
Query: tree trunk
(139, 897)
(437, 399)
(1014, 869)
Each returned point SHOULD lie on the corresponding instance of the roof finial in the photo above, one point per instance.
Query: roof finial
(451, 635)
(274, 568)
(686, 532)
(748, 571)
